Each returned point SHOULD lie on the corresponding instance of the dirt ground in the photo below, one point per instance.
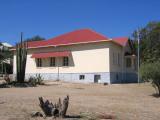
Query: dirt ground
(125, 101)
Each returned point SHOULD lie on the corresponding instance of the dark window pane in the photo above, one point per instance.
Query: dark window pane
(39, 62)
(65, 61)
(81, 77)
(52, 61)
(128, 62)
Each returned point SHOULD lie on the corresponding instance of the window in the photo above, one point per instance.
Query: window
(52, 61)
(118, 59)
(65, 61)
(117, 77)
(39, 62)
(97, 78)
(135, 65)
(113, 58)
(128, 62)
(81, 77)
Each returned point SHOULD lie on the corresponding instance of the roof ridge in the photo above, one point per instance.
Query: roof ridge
(88, 29)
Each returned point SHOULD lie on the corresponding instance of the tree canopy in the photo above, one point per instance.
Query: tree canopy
(149, 53)
(35, 38)
(149, 42)
(5, 54)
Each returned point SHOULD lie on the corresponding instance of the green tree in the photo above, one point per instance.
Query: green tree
(149, 53)
(149, 42)
(150, 72)
(5, 55)
(35, 38)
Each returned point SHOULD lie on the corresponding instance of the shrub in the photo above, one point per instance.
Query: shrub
(32, 81)
(37, 80)
(150, 72)
(7, 79)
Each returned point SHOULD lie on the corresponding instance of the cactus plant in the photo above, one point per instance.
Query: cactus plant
(21, 58)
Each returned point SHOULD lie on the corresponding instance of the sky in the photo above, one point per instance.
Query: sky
(49, 18)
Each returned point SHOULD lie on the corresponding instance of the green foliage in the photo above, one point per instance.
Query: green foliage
(6, 68)
(21, 58)
(5, 54)
(37, 80)
(151, 72)
(32, 81)
(149, 42)
(35, 38)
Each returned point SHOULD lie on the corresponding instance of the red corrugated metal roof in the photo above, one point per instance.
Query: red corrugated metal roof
(121, 40)
(77, 36)
(51, 54)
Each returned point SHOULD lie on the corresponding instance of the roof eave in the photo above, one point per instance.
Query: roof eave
(58, 45)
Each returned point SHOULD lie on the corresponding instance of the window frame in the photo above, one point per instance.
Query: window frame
(128, 62)
(39, 62)
(81, 77)
(113, 58)
(135, 63)
(65, 61)
(52, 61)
(118, 59)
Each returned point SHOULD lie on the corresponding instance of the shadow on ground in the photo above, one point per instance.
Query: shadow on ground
(156, 95)
(15, 84)
(73, 116)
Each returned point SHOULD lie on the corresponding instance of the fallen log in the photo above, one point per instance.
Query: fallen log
(55, 110)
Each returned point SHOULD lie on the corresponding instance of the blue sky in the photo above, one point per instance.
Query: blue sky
(49, 18)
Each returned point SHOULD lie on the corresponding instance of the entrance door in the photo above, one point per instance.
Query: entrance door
(97, 78)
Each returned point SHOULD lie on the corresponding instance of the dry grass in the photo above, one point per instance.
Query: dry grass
(126, 101)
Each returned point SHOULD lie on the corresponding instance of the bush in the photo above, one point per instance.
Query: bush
(150, 72)
(32, 80)
(7, 79)
(37, 80)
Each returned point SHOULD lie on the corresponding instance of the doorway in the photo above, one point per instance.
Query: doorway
(97, 78)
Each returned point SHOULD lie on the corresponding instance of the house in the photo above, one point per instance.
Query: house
(82, 56)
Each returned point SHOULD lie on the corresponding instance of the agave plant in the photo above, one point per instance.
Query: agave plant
(21, 58)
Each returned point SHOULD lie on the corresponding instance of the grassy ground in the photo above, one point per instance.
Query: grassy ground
(125, 101)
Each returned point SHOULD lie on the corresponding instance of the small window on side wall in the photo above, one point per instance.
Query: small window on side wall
(39, 62)
(128, 62)
(81, 77)
(52, 61)
(118, 59)
(113, 58)
(65, 61)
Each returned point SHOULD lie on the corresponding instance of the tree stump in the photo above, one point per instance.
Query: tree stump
(55, 110)
(65, 106)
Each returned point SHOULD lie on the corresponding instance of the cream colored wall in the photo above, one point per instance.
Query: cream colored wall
(85, 58)
(121, 50)
(115, 67)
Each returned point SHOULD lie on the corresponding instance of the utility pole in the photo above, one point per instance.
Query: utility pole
(138, 56)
